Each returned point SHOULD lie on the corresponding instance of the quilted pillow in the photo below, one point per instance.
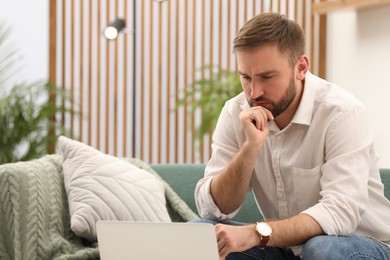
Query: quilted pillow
(104, 187)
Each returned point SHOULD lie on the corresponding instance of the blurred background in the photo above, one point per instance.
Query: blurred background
(146, 94)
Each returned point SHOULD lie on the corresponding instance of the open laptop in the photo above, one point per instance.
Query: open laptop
(119, 240)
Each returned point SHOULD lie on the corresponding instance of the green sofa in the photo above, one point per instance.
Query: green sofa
(183, 178)
(34, 213)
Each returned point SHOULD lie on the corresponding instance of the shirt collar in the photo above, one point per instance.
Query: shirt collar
(304, 113)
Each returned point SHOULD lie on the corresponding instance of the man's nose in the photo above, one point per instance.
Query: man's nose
(256, 90)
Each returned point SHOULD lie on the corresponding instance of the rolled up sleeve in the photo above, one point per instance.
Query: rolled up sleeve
(207, 209)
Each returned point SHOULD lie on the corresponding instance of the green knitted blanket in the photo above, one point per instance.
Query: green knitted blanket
(34, 214)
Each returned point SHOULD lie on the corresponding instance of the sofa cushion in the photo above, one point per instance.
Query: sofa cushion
(103, 187)
(385, 177)
(183, 178)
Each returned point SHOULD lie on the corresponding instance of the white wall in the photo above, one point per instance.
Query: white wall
(29, 23)
(359, 60)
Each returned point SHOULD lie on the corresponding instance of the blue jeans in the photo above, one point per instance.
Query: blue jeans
(317, 248)
(345, 247)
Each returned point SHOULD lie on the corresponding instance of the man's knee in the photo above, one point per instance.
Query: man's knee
(318, 247)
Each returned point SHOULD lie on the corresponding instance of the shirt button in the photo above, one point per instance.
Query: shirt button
(278, 138)
(274, 166)
(280, 195)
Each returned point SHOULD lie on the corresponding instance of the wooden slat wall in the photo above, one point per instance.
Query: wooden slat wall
(126, 90)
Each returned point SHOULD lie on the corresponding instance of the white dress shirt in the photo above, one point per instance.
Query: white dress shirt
(322, 164)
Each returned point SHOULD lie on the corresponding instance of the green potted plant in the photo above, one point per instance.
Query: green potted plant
(26, 112)
(208, 95)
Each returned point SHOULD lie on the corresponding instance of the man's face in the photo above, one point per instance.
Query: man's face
(267, 78)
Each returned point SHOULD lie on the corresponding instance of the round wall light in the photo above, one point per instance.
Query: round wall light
(112, 31)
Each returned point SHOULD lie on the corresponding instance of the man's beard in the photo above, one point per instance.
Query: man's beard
(278, 108)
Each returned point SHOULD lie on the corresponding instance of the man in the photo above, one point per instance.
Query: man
(305, 148)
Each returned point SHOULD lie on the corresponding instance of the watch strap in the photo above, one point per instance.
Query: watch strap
(263, 241)
(263, 238)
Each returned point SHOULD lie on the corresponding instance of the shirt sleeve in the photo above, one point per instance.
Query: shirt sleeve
(207, 209)
(225, 145)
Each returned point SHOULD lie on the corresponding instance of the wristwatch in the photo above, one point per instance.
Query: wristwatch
(264, 230)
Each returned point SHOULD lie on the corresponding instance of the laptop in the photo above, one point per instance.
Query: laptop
(119, 240)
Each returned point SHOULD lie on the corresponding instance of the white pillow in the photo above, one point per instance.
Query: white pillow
(103, 187)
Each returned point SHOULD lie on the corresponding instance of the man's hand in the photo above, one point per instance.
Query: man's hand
(254, 122)
(235, 238)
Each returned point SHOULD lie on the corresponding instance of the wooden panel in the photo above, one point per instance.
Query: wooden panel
(52, 65)
(324, 7)
(127, 90)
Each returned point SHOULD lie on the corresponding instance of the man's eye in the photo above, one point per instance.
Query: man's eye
(245, 78)
(266, 77)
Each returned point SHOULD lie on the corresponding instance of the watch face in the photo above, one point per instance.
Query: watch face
(264, 229)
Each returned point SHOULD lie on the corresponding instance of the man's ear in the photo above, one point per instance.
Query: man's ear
(302, 67)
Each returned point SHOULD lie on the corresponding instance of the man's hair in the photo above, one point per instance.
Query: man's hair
(272, 29)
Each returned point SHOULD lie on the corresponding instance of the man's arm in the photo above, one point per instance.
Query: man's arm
(229, 188)
(293, 231)
(287, 232)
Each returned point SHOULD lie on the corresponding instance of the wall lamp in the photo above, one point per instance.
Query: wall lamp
(112, 31)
